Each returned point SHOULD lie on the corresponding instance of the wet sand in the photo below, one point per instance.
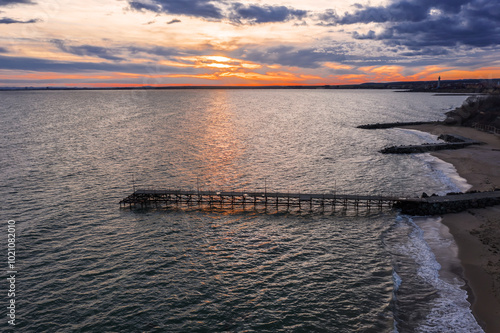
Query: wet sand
(477, 231)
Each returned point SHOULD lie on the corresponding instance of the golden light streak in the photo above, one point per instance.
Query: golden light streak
(218, 65)
(217, 62)
(334, 65)
(218, 58)
(195, 76)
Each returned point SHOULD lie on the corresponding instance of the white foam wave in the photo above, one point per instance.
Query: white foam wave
(422, 137)
(445, 173)
(450, 311)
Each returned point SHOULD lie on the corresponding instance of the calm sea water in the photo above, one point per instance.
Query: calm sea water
(83, 264)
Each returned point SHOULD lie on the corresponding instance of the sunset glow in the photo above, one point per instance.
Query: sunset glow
(209, 42)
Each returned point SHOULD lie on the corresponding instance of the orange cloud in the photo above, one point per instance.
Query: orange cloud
(393, 73)
(384, 73)
(428, 73)
(334, 65)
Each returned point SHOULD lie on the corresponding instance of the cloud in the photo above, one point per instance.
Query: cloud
(197, 8)
(155, 53)
(402, 11)
(16, 2)
(112, 53)
(427, 51)
(174, 21)
(7, 20)
(236, 12)
(3, 50)
(86, 50)
(264, 14)
(328, 18)
(143, 6)
(44, 65)
(290, 56)
(424, 24)
(163, 52)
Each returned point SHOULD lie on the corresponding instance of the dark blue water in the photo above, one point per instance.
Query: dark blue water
(84, 264)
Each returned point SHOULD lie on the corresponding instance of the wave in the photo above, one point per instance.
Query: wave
(444, 173)
(447, 308)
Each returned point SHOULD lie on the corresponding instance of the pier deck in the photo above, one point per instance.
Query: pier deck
(243, 199)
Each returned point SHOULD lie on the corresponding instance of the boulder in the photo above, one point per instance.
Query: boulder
(463, 113)
(453, 119)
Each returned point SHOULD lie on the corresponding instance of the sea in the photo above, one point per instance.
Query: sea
(83, 264)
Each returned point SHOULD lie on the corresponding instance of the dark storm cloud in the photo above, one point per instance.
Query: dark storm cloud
(137, 5)
(425, 24)
(264, 14)
(16, 2)
(7, 20)
(215, 9)
(198, 8)
(401, 11)
(86, 50)
(444, 32)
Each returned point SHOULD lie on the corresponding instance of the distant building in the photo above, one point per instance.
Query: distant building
(439, 82)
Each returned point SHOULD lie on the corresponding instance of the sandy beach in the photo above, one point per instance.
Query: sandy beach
(477, 231)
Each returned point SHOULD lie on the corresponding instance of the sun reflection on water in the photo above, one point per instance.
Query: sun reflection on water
(218, 143)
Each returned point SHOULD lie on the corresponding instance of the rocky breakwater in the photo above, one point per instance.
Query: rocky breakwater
(451, 203)
(396, 124)
(451, 142)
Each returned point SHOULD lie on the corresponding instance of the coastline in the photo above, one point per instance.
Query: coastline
(477, 231)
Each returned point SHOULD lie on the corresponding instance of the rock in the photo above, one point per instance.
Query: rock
(464, 114)
(453, 119)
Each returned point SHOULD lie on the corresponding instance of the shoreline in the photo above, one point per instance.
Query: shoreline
(476, 231)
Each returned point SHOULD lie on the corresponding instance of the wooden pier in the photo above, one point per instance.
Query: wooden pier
(326, 202)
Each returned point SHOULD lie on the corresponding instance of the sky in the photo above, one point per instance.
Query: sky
(108, 43)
